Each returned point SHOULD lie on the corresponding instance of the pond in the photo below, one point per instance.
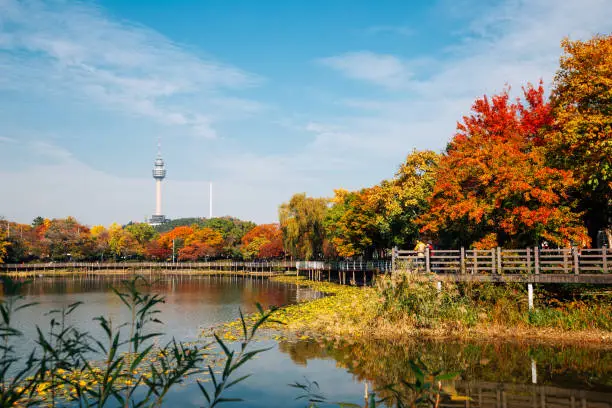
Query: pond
(492, 374)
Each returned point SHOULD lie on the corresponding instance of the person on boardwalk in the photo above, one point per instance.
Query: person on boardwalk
(420, 248)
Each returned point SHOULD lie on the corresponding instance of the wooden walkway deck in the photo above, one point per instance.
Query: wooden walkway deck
(530, 265)
(504, 395)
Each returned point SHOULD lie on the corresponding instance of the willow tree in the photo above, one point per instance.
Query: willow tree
(582, 133)
(301, 221)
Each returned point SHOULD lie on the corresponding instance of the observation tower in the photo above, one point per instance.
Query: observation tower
(159, 173)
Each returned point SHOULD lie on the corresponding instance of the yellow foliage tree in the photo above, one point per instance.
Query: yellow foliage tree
(582, 135)
(4, 244)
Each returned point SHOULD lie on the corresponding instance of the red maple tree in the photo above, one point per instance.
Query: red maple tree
(494, 187)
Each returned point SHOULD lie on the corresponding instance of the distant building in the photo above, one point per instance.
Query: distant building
(159, 173)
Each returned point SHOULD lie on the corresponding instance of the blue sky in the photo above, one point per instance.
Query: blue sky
(264, 98)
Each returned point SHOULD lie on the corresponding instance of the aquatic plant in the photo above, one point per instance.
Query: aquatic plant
(122, 368)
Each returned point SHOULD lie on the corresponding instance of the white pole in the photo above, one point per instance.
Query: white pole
(534, 372)
(530, 294)
(210, 203)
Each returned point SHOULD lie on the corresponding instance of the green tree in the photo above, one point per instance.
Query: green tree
(143, 233)
(38, 221)
(302, 224)
(232, 229)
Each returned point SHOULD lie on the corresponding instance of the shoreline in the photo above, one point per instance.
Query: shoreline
(134, 272)
(348, 313)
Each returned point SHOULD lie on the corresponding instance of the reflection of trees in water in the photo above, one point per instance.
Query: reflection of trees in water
(213, 289)
(384, 363)
(302, 351)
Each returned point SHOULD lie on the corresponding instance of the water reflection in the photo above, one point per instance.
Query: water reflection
(492, 374)
(192, 304)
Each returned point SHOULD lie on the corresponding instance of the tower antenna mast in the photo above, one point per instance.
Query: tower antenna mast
(159, 173)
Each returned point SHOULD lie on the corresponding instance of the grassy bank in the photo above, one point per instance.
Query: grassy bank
(403, 307)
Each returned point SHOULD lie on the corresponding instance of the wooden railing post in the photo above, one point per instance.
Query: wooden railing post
(427, 264)
(576, 261)
(475, 268)
(604, 251)
(536, 255)
(564, 251)
(462, 260)
(493, 261)
(528, 268)
(499, 261)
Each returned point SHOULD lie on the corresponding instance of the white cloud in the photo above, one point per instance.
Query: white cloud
(74, 48)
(356, 143)
(513, 43)
(385, 70)
(50, 152)
(69, 187)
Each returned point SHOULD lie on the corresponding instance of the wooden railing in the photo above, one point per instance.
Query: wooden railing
(529, 264)
(213, 265)
(503, 261)
(505, 395)
(497, 261)
(378, 265)
(383, 265)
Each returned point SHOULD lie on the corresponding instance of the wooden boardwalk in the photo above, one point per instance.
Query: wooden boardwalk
(505, 395)
(219, 268)
(530, 265)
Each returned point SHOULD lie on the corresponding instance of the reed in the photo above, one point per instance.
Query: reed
(124, 368)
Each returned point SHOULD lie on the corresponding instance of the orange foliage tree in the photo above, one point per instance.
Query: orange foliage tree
(493, 186)
(202, 243)
(263, 241)
(178, 234)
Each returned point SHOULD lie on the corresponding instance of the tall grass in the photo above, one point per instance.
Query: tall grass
(410, 297)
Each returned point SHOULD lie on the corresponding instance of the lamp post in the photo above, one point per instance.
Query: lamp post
(173, 251)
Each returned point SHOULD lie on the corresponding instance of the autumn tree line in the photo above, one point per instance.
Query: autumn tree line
(516, 173)
(184, 240)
